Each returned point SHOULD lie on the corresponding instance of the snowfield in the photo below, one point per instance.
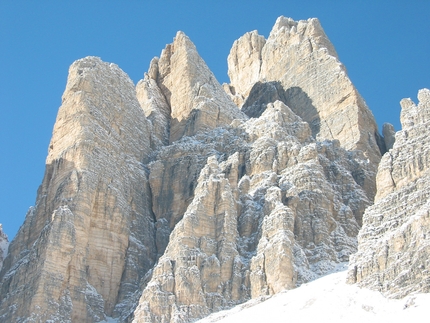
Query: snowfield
(328, 299)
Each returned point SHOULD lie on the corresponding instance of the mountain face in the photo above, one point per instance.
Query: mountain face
(180, 197)
(90, 237)
(394, 243)
(275, 210)
(4, 244)
(298, 64)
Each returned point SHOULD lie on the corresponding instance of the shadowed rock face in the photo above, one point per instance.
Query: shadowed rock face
(389, 135)
(295, 98)
(260, 95)
(394, 243)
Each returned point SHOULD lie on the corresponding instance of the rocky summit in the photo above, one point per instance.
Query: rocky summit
(179, 197)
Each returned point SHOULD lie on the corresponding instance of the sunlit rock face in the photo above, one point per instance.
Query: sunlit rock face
(272, 209)
(394, 242)
(165, 201)
(181, 98)
(84, 246)
(4, 245)
(195, 98)
(298, 65)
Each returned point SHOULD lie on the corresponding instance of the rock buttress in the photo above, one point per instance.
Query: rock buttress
(394, 242)
(85, 245)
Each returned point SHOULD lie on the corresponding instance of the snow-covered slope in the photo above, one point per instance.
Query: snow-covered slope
(328, 299)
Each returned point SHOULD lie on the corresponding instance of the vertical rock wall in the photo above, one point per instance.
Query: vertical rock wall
(394, 242)
(84, 246)
(170, 193)
(4, 245)
(299, 60)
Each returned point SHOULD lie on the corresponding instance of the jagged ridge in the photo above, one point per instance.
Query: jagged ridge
(394, 244)
(170, 193)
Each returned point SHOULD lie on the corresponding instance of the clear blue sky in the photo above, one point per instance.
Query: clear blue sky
(385, 46)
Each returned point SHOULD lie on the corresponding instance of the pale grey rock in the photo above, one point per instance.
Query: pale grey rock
(297, 205)
(244, 64)
(4, 245)
(90, 238)
(174, 172)
(196, 100)
(409, 160)
(299, 59)
(394, 242)
(272, 268)
(194, 276)
(181, 97)
(157, 110)
(318, 186)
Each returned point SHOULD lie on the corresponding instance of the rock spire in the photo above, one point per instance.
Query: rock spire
(188, 95)
(166, 202)
(86, 243)
(298, 65)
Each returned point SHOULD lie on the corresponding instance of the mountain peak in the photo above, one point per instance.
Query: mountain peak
(179, 197)
(196, 100)
(298, 65)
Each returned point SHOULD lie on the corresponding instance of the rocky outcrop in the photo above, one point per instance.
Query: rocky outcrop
(244, 65)
(181, 98)
(394, 243)
(167, 202)
(4, 245)
(298, 58)
(85, 245)
(272, 211)
(157, 110)
(194, 276)
(196, 99)
(175, 170)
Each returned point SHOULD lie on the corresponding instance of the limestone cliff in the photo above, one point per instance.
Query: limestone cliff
(165, 202)
(181, 98)
(273, 210)
(192, 95)
(298, 65)
(4, 245)
(394, 243)
(84, 246)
